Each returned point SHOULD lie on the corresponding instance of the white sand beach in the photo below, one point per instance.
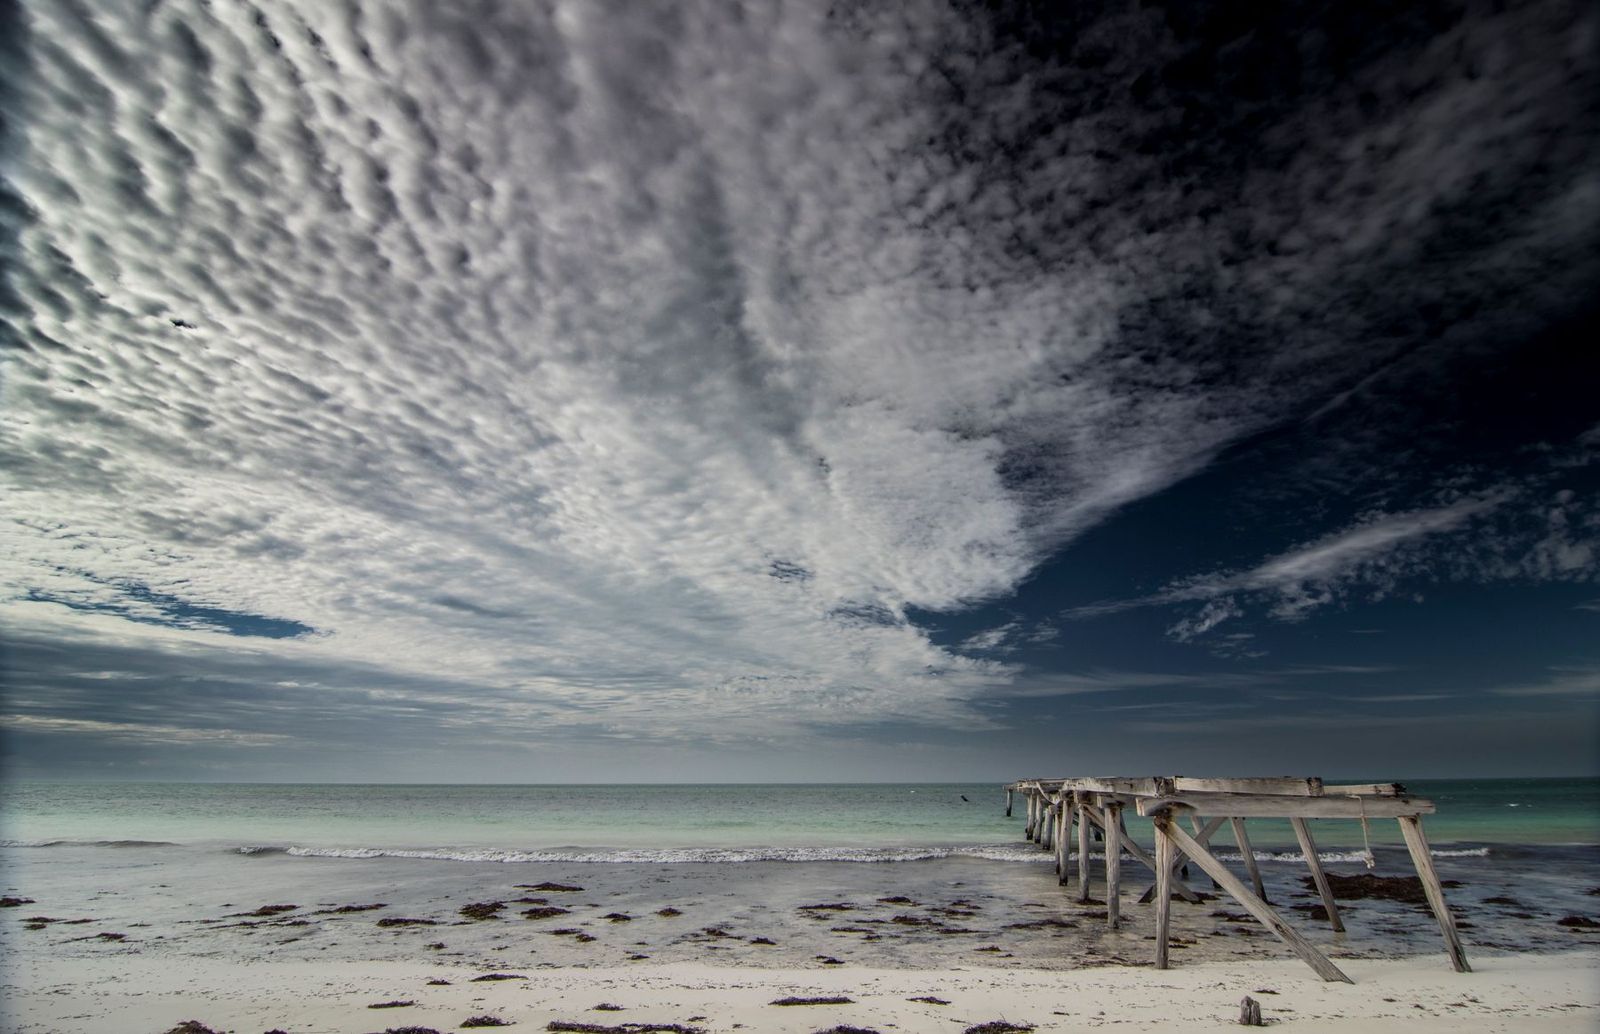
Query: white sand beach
(1513, 993)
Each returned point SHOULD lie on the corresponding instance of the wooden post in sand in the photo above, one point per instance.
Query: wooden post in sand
(1027, 827)
(1308, 847)
(1063, 835)
(1422, 858)
(1082, 799)
(1113, 829)
(1166, 861)
(1047, 839)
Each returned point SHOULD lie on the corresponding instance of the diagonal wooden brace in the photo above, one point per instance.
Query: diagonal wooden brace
(1167, 827)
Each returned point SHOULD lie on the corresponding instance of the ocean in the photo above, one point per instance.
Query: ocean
(865, 822)
(920, 875)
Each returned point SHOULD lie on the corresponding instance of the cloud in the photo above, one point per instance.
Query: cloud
(1564, 682)
(1211, 615)
(1511, 532)
(652, 368)
(994, 639)
(154, 735)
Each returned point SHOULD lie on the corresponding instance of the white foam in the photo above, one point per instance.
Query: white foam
(673, 856)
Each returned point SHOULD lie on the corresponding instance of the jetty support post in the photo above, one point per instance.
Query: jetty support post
(1422, 858)
(1081, 801)
(1063, 835)
(1047, 831)
(1113, 841)
(1165, 863)
(1308, 847)
(1027, 827)
(1008, 802)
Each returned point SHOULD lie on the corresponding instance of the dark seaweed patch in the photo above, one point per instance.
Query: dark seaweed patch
(829, 1000)
(263, 911)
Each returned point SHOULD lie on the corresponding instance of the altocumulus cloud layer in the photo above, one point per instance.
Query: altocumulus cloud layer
(623, 370)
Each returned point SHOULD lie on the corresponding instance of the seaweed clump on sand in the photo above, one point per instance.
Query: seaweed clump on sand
(928, 999)
(410, 1030)
(624, 1028)
(347, 909)
(843, 1029)
(553, 888)
(1577, 923)
(481, 910)
(668, 912)
(192, 1027)
(828, 1000)
(405, 921)
(1405, 889)
(396, 1004)
(484, 1021)
(263, 912)
(545, 912)
(10, 902)
(500, 976)
(999, 1027)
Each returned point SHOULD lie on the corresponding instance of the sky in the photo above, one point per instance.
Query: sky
(519, 391)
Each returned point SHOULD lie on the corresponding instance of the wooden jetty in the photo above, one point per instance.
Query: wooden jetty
(1056, 806)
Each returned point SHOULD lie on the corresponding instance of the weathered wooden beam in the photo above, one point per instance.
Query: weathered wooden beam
(1248, 855)
(1422, 858)
(1120, 784)
(1008, 802)
(1308, 847)
(1112, 827)
(1287, 785)
(1165, 824)
(1047, 832)
(1366, 789)
(1241, 805)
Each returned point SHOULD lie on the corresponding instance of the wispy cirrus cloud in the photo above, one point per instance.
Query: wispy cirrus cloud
(1510, 532)
(1562, 682)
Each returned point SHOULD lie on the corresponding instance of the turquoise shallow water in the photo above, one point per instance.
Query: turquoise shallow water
(799, 822)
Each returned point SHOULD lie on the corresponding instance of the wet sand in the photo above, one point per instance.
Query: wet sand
(159, 935)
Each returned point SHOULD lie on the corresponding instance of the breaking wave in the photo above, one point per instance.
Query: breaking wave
(729, 855)
(87, 843)
(669, 855)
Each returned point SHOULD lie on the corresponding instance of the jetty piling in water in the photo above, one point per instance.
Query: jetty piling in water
(1101, 804)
